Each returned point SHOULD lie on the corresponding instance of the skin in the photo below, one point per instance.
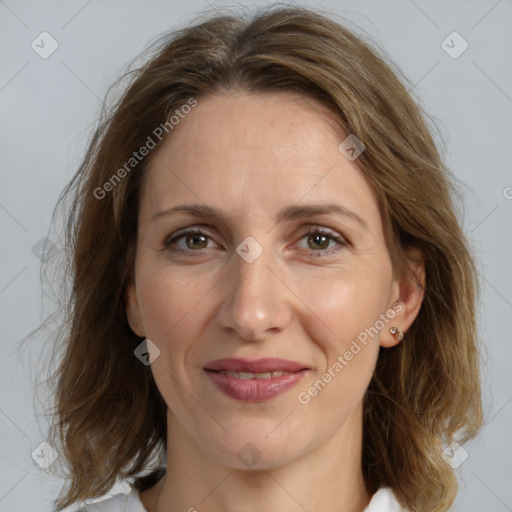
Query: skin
(249, 156)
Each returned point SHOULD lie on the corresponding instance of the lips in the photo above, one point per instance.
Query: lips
(254, 381)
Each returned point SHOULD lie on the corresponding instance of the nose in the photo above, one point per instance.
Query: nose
(256, 302)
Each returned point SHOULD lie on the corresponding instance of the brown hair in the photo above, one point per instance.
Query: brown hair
(109, 417)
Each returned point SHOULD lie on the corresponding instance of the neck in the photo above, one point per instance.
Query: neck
(328, 478)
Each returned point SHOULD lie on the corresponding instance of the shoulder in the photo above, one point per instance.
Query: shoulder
(384, 501)
(119, 503)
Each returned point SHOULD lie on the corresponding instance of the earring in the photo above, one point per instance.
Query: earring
(396, 333)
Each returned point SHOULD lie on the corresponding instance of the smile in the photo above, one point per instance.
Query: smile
(254, 380)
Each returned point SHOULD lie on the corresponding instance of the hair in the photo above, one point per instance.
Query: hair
(108, 417)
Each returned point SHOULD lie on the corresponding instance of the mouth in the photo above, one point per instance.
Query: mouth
(255, 380)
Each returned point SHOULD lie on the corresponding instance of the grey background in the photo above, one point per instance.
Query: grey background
(48, 108)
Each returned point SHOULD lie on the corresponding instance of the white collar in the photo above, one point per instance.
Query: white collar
(384, 501)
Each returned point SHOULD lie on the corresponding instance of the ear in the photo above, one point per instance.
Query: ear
(133, 313)
(408, 292)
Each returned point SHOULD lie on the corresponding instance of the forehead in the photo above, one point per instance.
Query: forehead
(260, 151)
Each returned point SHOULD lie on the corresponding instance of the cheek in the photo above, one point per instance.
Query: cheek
(345, 301)
(172, 304)
(344, 320)
(175, 308)
(347, 352)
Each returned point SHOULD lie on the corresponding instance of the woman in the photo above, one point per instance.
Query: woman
(273, 303)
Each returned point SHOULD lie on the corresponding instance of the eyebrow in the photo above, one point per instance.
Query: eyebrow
(288, 213)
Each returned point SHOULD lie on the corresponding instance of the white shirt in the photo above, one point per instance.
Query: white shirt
(382, 501)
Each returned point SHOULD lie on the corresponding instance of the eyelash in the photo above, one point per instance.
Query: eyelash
(313, 230)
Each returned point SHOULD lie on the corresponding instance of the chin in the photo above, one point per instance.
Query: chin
(257, 444)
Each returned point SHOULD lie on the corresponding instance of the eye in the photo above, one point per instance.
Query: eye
(189, 241)
(321, 242)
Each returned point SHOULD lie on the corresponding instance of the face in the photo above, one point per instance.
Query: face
(260, 243)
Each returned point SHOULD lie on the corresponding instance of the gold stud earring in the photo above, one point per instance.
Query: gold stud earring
(396, 333)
